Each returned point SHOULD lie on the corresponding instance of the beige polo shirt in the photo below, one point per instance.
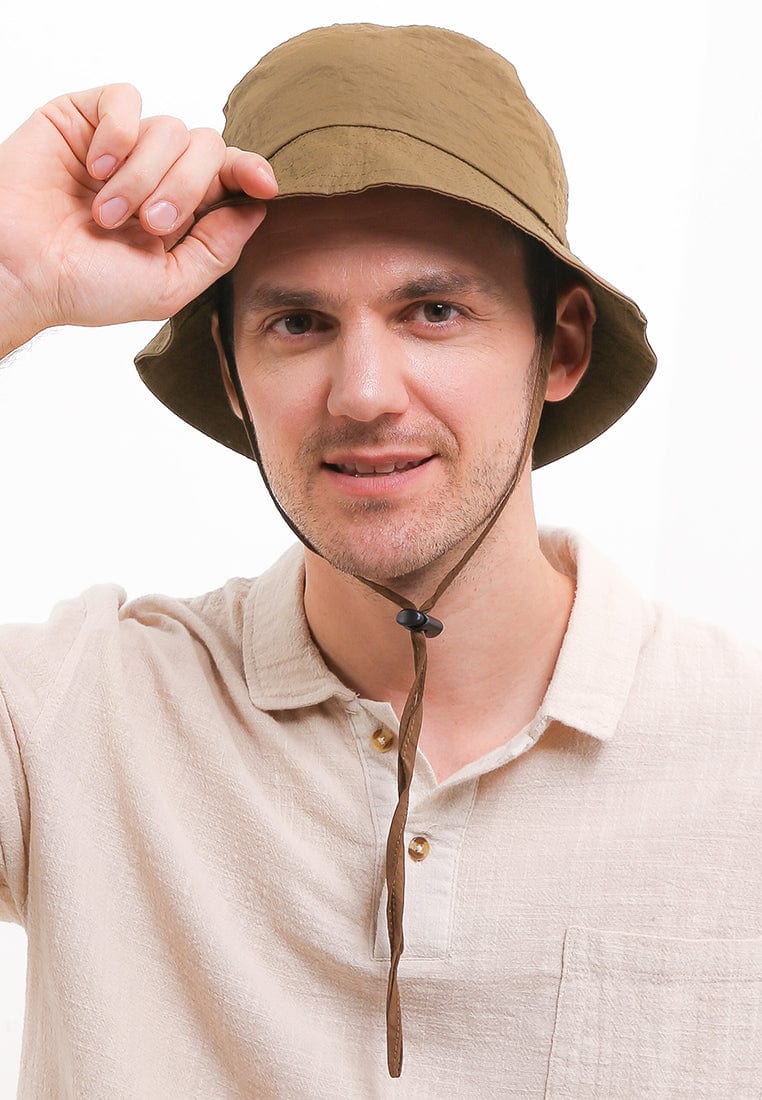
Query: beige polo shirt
(193, 814)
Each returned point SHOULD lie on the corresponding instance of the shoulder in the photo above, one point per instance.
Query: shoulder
(211, 619)
(100, 641)
(668, 646)
(697, 665)
(694, 644)
(104, 610)
(634, 664)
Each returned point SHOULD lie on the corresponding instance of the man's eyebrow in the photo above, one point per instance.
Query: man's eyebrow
(267, 296)
(444, 284)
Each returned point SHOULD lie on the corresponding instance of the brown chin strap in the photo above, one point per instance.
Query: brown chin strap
(421, 625)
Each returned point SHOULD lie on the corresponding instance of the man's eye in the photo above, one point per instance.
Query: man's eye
(296, 324)
(437, 312)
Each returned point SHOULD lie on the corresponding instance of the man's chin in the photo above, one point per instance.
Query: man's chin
(403, 569)
(405, 549)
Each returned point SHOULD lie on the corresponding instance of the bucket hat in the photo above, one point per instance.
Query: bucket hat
(344, 108)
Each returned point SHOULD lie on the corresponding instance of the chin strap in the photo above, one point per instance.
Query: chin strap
(421, 625)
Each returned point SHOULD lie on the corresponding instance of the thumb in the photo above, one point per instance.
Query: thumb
(211, 249)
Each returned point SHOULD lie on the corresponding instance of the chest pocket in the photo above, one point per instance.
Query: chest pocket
(644, 1017)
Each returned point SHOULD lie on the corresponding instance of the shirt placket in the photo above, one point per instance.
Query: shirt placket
(434, 834)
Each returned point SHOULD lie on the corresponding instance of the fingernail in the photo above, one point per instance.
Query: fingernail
(103, 167)
(162, 216)
(266, 174)
(113, 211)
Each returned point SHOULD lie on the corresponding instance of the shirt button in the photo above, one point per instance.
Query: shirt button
(382, 740)
(418, 848)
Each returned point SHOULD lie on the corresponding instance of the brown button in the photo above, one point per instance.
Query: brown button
(418, 848)
(382, 740)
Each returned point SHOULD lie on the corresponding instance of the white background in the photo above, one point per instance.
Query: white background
(658, 116)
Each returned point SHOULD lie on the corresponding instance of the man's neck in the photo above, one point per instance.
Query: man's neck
(505, 617)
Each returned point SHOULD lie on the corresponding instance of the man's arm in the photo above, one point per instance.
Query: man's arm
(104, 216)
(78, 165)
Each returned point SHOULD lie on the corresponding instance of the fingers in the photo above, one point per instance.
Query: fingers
(247, 173)
(174, 175)
(117, 125)
(161, 144)
(109, 218)
(210, 250)
(100, 126)
(155, 169)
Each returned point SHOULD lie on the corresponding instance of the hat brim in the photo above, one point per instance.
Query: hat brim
(181, 367)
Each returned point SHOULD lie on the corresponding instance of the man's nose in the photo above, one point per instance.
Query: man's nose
(368, 376)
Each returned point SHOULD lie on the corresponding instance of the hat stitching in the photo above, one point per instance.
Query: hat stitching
(432, 145)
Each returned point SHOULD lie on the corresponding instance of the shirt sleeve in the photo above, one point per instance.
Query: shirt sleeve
(14, 821)
(31, 661)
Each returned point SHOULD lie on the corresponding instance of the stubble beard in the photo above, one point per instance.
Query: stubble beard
(407, 544)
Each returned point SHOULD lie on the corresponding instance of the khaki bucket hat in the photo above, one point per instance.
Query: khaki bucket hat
(341, 109)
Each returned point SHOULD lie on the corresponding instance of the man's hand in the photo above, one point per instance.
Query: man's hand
(103, 216)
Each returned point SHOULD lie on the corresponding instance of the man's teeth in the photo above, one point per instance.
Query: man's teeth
(362, 469)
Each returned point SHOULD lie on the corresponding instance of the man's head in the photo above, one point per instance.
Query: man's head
(388, 345)
(346, 108)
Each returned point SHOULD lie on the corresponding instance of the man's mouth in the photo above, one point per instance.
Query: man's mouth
(364, 469)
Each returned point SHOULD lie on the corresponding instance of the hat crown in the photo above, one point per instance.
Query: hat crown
(431, 84)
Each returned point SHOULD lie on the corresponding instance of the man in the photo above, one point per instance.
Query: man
(196, 794)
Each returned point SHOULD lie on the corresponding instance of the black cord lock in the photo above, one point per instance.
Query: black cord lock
(419, 622)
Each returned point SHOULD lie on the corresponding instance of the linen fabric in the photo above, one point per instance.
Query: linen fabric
(193, 812)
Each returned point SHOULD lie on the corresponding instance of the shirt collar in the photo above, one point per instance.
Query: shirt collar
(596, 666)
(284, 668)
(590, 684)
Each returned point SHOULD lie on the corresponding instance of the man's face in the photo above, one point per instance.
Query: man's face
(386, 345)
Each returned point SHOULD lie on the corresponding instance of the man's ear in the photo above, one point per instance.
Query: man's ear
(573, 341)
(226, 379)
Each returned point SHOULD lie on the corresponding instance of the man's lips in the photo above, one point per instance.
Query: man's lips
(366, 469)
(376, 467)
